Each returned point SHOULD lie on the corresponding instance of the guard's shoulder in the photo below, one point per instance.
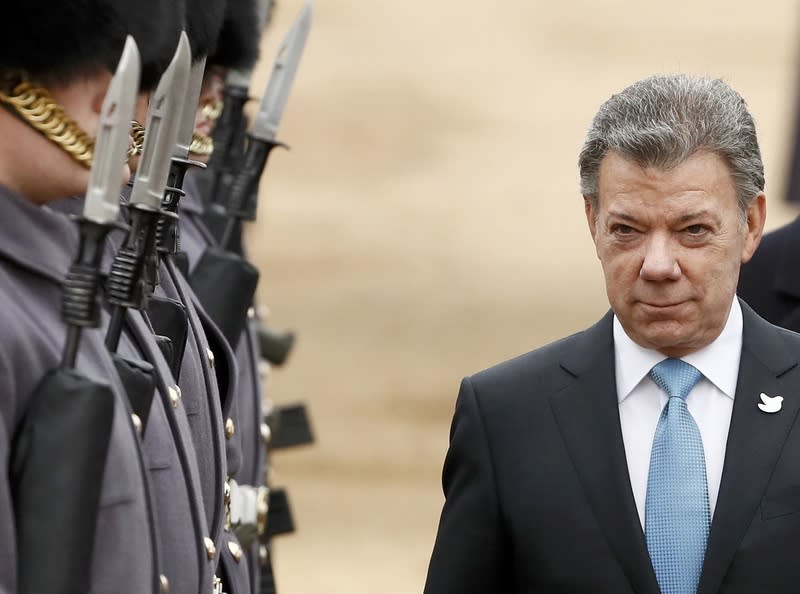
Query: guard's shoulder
(772, 244)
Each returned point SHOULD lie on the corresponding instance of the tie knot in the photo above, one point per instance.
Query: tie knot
(676, 377)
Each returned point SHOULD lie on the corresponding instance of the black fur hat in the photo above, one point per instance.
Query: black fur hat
(237, 46)
(62, 39)
(162, 34)
(204, 20)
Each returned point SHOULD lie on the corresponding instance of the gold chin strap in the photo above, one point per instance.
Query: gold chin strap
(35, 106)
(213, 109)
(202, 144)
(137, 137)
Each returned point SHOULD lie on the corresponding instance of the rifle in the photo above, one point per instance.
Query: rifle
(63, 442)
(225, 260)
(229, 131)
(134, 273)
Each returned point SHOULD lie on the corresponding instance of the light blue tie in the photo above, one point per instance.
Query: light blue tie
(677, 515)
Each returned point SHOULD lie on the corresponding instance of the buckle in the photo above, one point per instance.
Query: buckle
(262, 510)
(226, 501)
(217, 587)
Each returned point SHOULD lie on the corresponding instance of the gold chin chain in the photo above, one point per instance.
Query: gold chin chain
(36, 108)
(213, 109)
(137, 137)
(202, 144)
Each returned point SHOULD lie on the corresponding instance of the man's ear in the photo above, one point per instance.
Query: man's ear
(98, 95)
(82, 99)
(754, 229)
(591, 216)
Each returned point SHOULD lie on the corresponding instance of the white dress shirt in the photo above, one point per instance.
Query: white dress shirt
(710, 402)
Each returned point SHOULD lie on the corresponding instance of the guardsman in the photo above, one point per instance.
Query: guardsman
(237, 48)
(203, 362)
(56, 61)
(186, 551)
(211, 229)
(187, 554)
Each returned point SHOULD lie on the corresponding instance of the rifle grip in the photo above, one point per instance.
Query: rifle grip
(245, 184)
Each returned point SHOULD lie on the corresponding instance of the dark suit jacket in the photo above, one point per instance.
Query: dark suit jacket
(538, 497)
(770, 282)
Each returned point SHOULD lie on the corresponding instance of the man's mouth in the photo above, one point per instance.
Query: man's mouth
(660, 308)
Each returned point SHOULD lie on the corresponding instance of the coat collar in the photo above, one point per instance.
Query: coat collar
(35, 237)
(192, 201)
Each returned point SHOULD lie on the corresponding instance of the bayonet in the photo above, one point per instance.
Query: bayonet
(189, 111)
(80, 305)
(284, 69)
(167, 232)
(242, 203)
(264, 8)
(239, 78)
(163, 119)
(102, 195)
(133, 274)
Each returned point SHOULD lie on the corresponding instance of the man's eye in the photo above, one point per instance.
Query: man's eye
(695, 229)
(623, 230)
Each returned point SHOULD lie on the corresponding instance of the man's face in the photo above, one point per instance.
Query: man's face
(671, 244)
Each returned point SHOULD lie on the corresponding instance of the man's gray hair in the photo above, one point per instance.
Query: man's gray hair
(663, 120)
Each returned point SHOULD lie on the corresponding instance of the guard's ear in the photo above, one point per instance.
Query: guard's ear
(754, 228)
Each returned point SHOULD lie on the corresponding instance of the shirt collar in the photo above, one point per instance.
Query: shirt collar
(718, 362)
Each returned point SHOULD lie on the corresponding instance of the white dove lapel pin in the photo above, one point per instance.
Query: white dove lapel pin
(770, 404)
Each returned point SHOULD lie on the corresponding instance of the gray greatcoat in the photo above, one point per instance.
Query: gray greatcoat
(36, 249)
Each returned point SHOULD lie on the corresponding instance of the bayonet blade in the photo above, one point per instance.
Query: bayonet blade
(189, 111)
(274, 101)
(105, 180)
(264, 8)
(163, 118)
(239, 78)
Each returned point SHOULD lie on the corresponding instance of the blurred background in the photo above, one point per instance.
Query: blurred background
(427, 224)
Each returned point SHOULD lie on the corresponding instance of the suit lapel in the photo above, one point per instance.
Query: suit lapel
(587, 414)
(754, 443)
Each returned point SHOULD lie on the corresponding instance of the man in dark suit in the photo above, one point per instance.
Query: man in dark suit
(655, 451)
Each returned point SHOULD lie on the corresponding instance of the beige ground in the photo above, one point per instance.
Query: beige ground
(427, 223)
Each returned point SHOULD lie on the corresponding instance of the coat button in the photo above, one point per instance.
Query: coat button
(230, 428)
(266, 434)
(137, 423)
(210, 355)
(211, 550)
(235, 550)
(164, 584)
(174, 395)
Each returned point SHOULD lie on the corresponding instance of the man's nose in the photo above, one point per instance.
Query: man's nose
(660, 260)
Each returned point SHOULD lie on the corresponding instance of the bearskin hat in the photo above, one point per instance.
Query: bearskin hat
(63, 39)
(204, 19)
(237, 46)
